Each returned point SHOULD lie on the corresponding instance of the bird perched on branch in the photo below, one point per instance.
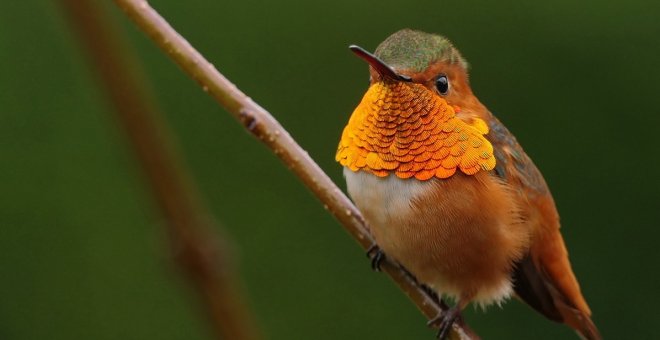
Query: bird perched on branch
(447, 190)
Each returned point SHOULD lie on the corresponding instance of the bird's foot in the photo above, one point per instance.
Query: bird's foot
(445, 321)
(376, 255)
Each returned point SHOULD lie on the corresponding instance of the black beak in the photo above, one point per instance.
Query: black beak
(378, 65)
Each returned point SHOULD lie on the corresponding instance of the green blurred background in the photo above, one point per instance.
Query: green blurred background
(82, 253)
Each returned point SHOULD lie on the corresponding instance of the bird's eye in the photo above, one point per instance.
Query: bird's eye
(442, 83)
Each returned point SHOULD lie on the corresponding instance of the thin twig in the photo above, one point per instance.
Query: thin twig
(200, 254)
(262, 124)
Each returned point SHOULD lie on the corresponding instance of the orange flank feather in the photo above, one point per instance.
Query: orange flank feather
(447, 190)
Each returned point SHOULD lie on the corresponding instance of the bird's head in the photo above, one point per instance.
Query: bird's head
(422, 58)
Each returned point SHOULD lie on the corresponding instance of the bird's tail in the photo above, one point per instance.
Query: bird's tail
(559, 299)
(580, 321)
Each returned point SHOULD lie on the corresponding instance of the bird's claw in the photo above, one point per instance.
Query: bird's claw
(444, 322)
(376, 255)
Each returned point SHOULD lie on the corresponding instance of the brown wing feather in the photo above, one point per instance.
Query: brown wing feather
(544, 278)
(532, 289)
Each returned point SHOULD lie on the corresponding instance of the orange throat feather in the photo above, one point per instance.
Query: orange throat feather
(406, 129)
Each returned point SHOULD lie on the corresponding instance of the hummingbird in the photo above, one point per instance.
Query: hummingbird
(448, 192)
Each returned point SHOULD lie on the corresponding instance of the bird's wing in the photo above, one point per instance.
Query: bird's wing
(543, 278)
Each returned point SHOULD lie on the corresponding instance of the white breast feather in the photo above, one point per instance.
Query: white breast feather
(382, 196)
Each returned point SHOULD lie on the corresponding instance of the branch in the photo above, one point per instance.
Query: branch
(262, 124)
(201, 256)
